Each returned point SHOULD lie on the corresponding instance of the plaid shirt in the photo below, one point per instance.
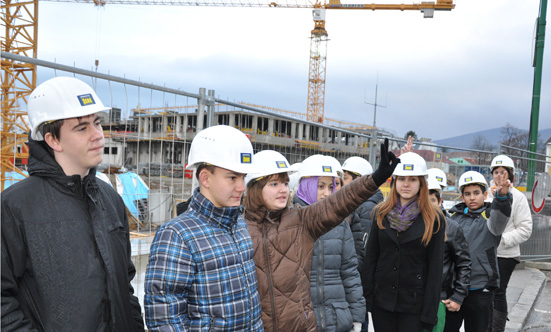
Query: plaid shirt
(201, 274)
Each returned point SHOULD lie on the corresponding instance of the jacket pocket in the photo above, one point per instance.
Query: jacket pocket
(487, 260)
(342, 316)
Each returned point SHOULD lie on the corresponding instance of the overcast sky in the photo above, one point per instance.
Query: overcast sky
(462, 71)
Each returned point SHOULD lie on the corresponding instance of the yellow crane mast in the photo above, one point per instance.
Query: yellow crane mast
(19, 22)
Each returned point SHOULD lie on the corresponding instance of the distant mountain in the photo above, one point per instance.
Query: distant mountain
(493, 136)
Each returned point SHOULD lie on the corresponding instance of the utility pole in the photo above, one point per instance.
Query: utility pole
(373, 143)
(535, 114)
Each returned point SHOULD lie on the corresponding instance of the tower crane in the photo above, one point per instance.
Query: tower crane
(20, 20)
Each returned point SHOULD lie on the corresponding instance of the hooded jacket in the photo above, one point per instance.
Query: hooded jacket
(482, 229)
(66, 255)
(283, 245)
(360, 224)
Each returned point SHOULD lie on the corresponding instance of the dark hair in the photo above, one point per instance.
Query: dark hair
(52, 128)
(253, 199)
(435, 193)
(510, 173)
(202, 166)
(483, 187)
(353, 175)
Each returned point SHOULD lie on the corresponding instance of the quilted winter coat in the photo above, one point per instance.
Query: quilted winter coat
(283, 244)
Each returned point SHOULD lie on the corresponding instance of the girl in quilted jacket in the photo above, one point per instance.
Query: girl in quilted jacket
(284, 236)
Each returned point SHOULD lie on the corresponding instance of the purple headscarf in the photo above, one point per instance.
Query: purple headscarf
(308, 189)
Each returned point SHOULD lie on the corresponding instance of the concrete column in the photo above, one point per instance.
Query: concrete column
(178, 124)
(146, 126)
(164, 126)
(321, 134)
(184, 126)
(293, 129)
(339, 137)
(201, 103)
(307, 133)
(300, 134)
(270, 127)
(255, 124)
(231, 121)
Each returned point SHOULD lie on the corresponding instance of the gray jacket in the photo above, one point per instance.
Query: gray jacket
(360, 224)
(335, 284)
(482, 229)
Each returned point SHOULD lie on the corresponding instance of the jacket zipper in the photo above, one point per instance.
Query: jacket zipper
(320, 286)
(269, 273)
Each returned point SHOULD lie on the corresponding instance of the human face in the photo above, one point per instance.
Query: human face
(275, 194)
(79, 146)
(500, 171)
(473, 196)
(407, 188)
(338, 183)
(223, 187)
(435, 201)
(347, 178)
(325, 187)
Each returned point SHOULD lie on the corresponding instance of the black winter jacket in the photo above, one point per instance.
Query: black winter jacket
(457, 264)
(482, 229)
(65, 253)
(400, 273)
(360, 224)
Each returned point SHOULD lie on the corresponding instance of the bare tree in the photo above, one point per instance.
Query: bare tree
(481, 143)
(519, 139)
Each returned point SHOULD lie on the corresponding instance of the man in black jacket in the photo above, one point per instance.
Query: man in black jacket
(456, 274)
(66, 262)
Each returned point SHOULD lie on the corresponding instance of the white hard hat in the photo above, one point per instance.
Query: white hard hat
(222, 146)
(439, 175)
(268, 162)
(411, 164)
(316, 165)
(61, 98)
(503, 161)
(471, 177)
(433, 183)
(336, 164)
(293, 176)
(357, 165)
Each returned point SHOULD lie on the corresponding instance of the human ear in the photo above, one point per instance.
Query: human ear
(53, 142)
(204, 178)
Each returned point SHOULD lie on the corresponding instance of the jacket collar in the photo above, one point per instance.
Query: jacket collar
(224, 217)
(43, 164)
(462, 208)
(415, 231)
(262, 214)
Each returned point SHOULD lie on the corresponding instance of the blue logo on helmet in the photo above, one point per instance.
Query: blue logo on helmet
(86, 100)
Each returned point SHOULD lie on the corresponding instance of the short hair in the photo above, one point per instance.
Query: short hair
(510, 173)
(206, 166)
(253, 199)
(52, 128)
(483, 187)
(353, 175)
(435, 193)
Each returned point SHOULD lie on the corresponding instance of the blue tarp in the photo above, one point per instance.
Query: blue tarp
(134, 193)
(13, 177)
